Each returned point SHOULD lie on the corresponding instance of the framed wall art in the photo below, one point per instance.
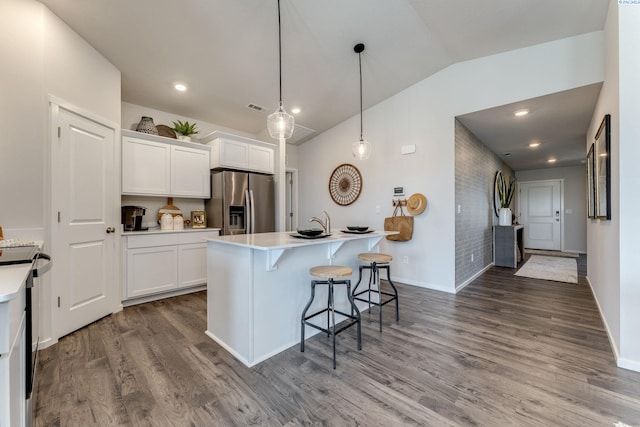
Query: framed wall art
(198, 219)
(602, 160)
(591, 191)
(345, 184)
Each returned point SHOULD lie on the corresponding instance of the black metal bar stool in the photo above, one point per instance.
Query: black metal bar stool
(330, 273)
(376, 262)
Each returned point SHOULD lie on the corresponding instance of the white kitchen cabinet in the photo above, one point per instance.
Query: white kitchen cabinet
(146, 167)
(158, 166)
(236, 152)
(13, 366)
(190, 172)
(151, 270)
(163, 264)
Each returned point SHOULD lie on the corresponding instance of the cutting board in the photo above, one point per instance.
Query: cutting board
(169, 208)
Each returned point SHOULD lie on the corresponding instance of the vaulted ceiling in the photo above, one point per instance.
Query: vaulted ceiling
(226, 51)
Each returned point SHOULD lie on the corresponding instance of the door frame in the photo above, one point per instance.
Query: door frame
(540, 181)
(51, 333)
(294, 196)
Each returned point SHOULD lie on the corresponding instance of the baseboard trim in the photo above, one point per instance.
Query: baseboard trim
(155, 297)
(472, 278)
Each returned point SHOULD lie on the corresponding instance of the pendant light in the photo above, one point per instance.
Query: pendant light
(361, 149)
(280, 123)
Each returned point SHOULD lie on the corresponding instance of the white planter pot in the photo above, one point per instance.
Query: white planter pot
(505, 216)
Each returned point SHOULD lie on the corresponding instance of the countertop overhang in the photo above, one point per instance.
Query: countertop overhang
(279, 242)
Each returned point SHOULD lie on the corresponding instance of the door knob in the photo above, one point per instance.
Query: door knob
(110, 230)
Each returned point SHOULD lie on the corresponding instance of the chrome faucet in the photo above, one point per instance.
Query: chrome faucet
(326, 225)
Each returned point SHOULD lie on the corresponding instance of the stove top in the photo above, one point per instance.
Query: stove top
(17, 255)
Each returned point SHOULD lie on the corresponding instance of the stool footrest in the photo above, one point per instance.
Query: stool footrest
(357, 298)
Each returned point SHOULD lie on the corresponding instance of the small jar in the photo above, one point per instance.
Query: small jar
(178, 222)
(166, 222)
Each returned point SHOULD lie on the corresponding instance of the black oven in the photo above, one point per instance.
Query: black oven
(40, 264)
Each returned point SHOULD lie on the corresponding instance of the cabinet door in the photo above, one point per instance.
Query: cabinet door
(234, 154)
(190, 172)
(261, 159)
(192, 264)
(151, 270)
(146, 167)
(13, 380)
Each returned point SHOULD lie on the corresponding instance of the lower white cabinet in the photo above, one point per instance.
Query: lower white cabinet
(160, 263)
(13, 366)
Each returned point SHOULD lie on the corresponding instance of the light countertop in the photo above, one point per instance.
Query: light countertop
(158, 231)
(12, 278)
(284, 240)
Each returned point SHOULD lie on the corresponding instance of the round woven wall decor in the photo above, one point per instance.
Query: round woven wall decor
(345, 184)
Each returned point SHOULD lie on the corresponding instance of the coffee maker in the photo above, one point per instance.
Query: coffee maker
(132, 218)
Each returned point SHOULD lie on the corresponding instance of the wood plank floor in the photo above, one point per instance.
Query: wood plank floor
(507, 350)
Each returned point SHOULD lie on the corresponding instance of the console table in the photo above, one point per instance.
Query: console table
(507, 245)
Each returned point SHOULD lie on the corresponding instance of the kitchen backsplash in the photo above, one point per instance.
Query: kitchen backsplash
(153, 204)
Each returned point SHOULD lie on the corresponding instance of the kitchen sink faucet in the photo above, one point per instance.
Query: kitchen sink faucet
(326, 225)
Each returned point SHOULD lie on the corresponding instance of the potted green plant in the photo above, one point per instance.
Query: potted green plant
(506, 190)
(185, 129)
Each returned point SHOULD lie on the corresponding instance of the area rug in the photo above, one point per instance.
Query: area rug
(554, 253)
(550, 268)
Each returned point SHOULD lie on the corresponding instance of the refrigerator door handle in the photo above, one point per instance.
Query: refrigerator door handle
(247, 214)
(253, 212)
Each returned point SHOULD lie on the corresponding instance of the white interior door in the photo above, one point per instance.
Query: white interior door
(82, 201)
(541, 214)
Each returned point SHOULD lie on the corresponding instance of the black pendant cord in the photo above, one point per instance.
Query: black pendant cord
(280, 52)
(360, 63)
(359, 48)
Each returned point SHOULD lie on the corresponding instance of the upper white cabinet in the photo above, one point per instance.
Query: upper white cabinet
(237, 152)
(190, 172)
(158, 166)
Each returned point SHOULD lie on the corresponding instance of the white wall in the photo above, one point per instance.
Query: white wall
(629, 204)
(574, 231)
(22, 118)
(424, 115)
(603, 236)
(132, 113)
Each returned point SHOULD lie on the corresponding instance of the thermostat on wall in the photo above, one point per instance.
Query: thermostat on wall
(398, 191)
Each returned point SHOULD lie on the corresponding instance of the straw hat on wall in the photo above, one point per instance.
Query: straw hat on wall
(416, 204)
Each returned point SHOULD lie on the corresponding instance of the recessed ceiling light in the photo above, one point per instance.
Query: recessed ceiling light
(520, 113)
(180, 87)
(534, 144)
(295, 110)
(551, 161)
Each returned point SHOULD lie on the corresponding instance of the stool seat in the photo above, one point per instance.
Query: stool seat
(330, 271)
(375, 257)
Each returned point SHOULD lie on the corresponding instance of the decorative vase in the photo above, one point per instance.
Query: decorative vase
(146, 125)
(505, 216)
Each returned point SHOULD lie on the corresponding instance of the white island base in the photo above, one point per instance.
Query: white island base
(259, 284)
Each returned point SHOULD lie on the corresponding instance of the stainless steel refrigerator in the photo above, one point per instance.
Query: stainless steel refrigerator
(241, 203)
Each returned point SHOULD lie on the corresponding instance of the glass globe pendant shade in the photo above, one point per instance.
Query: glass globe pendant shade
(280, 124)
(361, 149)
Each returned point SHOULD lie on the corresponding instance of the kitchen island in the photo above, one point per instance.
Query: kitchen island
(258, 285)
